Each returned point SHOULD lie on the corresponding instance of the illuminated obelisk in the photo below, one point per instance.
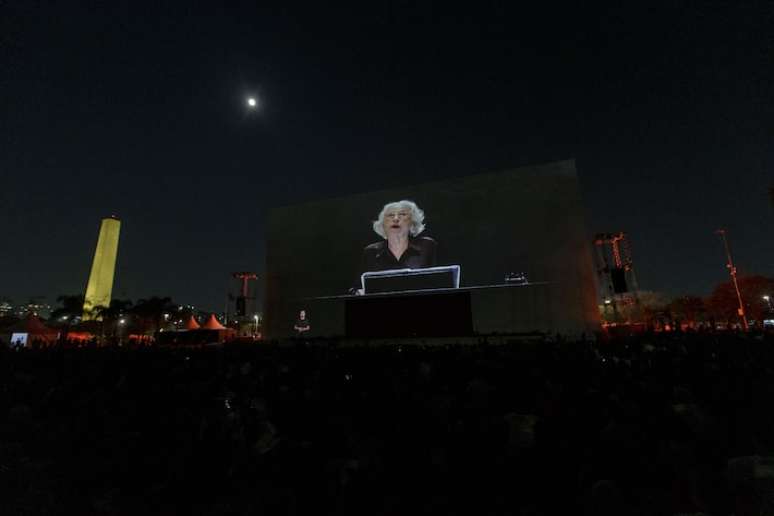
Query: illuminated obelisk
(103, 268)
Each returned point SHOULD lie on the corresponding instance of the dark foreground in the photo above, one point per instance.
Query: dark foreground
(657, 425)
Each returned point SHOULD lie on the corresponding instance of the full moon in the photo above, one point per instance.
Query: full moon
(252, 102)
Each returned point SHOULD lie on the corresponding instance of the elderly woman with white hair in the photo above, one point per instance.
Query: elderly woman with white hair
(399, 224)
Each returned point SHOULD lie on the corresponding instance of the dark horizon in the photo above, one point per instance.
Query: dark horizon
(140, 112)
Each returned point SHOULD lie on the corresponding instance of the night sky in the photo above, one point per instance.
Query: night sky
(140, 111)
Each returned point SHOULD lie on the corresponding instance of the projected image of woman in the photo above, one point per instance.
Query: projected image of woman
(399, 224)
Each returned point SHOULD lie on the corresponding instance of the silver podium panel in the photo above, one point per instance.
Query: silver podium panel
(406, 280)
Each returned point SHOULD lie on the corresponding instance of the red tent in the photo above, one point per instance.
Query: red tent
(192, 324)
(211, 332)
(213, 324)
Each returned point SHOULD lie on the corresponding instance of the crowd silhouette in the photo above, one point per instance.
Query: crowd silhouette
(657, 424)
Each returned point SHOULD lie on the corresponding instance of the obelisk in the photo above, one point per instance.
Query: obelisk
(103, 268)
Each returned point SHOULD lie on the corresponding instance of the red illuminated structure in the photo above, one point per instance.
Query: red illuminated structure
(241, 300)
(615, 269)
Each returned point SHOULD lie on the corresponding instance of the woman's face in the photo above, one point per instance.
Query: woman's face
(397, 222)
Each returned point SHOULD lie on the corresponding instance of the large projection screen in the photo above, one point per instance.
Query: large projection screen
(529, 220)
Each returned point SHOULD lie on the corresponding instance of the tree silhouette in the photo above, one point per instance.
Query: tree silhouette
(109, 315)
(151, 311)
(70, 306)
(723, 303)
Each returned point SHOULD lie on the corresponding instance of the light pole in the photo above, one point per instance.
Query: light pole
(732, 271)
(121, 323)
(255, 331)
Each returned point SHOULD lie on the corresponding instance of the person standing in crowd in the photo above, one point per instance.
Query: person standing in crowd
(302, 325)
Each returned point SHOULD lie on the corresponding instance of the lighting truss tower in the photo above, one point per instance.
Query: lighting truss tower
(241, 300)
(615, 270)
(732, 272)
(103, 268)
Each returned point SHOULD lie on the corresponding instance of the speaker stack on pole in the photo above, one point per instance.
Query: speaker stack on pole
(617, 281)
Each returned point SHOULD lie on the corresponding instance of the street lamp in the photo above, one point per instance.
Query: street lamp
(767, 298)
(255, 318)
